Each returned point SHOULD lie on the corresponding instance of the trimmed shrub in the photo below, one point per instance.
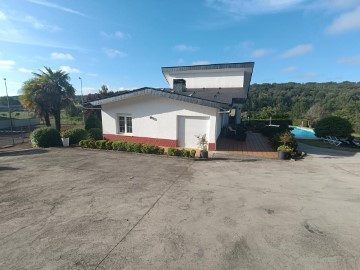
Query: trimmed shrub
(161, 151)
(119, 146)
(93, 122)
(179, 152)
(95, 134)
(101, 144)
(192, 153)
(75, 135)
(333, 126)
(46, 137)
(152, 149)
(88, 143)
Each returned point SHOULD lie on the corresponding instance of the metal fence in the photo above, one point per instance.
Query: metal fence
(19, 132)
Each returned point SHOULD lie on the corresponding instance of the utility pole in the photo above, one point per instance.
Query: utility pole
(82, 101)
(11, 123)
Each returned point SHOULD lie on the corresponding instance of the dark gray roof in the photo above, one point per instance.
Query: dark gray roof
(168, 93)
(212, 66)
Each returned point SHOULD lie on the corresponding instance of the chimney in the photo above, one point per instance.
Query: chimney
(179, 85)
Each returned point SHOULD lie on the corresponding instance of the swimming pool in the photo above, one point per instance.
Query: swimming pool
(303, 133)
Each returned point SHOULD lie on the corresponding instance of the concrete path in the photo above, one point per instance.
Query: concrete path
(84, 209)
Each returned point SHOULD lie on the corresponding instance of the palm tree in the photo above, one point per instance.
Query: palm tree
(32, 98)
(50, 91)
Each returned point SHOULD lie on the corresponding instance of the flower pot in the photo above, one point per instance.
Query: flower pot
(282, 155)
(65, 142)
(204, 154)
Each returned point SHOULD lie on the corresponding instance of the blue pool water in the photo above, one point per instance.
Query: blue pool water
(302, 133)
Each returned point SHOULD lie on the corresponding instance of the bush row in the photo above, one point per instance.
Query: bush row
(181, 152)
(50, 137)
(122, 146)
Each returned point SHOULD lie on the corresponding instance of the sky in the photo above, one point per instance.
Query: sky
(123, 44)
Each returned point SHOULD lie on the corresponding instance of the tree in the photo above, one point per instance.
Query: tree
(103, 90)
(49, 92)
(33, 98)
(315, 113)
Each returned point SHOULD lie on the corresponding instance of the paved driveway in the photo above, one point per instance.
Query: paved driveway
(84, 209)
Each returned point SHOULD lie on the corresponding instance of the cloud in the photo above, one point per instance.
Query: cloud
(346, 22)
(25, 70)
(354, 60)
(39, 25)
(185, 48)
(332, 5)
(112, 53)
(34, 22)
(56, 6)
(91, 74)
(200, 63)
(298, 50)
(117, 34)
(289, 69)
(120, 35)
(238, 8)
(260, 52)
(61, 56)
(309, 75)
(7, 64)
(180, 61)
(2, 16)
(68, 69)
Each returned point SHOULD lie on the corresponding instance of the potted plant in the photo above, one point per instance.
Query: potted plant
(202, 143)
(284, 152)
(65, 140)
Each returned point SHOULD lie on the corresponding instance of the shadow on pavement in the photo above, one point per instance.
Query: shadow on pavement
(8, 169)
(327, 153)
(23, 152)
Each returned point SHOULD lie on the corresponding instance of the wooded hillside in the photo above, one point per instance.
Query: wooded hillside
(309, 101)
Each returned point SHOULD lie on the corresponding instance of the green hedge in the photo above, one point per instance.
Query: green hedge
(95, 134)
(93, 122)
(122, 146)
(333, 126)
(259, 124)
(45, 137)
(181, 152)
(75, 135)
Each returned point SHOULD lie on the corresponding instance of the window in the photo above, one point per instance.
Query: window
(125, 124)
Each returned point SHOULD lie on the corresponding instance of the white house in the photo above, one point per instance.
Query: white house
(199, 101)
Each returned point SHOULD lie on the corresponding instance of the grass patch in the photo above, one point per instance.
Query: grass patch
(321, 144)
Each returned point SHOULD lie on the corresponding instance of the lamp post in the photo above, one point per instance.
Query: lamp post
(8, 103)
(82, 100)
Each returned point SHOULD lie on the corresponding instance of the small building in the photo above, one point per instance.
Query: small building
(200, 99)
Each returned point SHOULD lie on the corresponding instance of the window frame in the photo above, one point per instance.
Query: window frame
(128, 126)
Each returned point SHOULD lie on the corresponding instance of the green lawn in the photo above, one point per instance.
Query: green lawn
(319, 143)
(66, 121)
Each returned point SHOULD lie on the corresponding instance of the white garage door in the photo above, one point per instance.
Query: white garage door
(189, 127)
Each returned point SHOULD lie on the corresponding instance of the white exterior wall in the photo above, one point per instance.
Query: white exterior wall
(164, 110)
(209, 78)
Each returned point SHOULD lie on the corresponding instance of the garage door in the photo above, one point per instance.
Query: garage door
(189, 127)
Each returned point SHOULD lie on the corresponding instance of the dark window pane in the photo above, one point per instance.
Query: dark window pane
(121, 124)
(129, 124)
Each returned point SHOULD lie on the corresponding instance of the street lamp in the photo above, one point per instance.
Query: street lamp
(8, 102)
(82, 100)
